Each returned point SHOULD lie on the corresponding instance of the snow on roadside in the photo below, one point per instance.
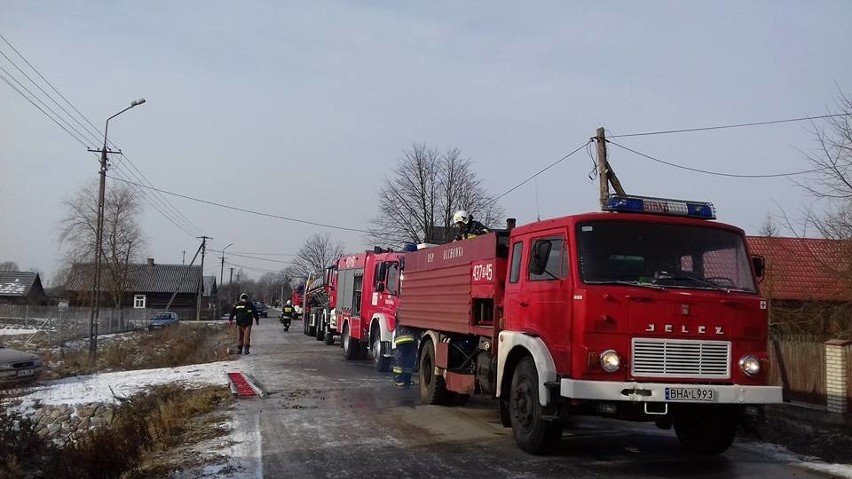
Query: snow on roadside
(784, 456)
(104, 387)
(17, 331)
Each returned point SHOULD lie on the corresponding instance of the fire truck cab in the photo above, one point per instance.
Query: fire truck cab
(648, 311)
(367, 300)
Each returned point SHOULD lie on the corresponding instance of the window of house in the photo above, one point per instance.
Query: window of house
(139, 301)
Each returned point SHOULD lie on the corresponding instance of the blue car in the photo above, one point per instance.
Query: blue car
(163, 320)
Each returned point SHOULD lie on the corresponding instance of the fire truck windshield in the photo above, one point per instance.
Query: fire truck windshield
(666, 255)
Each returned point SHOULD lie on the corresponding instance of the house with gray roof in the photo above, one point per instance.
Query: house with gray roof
(145, 286)
(21, 287)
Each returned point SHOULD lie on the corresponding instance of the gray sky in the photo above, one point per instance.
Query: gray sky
(299, 109)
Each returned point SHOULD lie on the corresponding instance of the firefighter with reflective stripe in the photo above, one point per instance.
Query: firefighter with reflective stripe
(467, 226)
(405, 355)
(287, 313)
(244, 311)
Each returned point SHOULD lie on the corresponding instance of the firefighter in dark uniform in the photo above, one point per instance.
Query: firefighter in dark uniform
(467, 226)
(245, 312)
(405, 355)
(287, 313)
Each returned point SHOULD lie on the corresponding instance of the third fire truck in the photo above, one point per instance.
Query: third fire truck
(367, 299)
(648, 311)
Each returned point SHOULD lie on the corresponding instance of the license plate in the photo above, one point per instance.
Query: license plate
(26, 372)
(690, 394)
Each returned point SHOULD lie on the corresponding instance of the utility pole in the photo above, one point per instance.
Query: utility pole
(203, 248)
(231, 288)
(183, 259)
(94, 316)
(605, 172)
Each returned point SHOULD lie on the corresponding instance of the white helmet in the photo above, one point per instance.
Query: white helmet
(461, 216)
(289, 302)
(244, 297)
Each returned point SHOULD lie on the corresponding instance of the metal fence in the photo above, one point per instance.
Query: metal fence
(65, 323)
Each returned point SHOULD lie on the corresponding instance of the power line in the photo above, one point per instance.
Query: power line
(542, 171)
(707, 172)
(735, 125)
(158, 201)
(244, 210)
(41, 110)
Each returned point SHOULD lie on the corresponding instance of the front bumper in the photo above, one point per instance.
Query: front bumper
(656, 392)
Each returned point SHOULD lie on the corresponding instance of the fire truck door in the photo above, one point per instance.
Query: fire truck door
(546, 287)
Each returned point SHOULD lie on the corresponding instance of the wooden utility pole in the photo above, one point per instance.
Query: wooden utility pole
(605, 172)
(201, 289)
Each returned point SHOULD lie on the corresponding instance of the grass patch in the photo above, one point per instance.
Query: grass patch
(190, 343)
(139, 443)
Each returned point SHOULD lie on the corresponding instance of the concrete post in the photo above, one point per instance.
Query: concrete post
(836, 387)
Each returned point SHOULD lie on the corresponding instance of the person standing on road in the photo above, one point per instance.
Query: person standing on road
(287, 313)
(405, 355)
(244, 311)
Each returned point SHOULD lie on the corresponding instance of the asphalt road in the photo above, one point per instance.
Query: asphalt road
(327, 417)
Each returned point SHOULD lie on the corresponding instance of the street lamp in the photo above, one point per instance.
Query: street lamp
(222, 270)
(99, 234)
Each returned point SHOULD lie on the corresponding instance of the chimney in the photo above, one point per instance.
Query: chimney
(150, 261)
(510, 223)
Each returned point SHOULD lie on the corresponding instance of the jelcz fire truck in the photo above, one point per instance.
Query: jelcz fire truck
(646, 311)
(367, 301)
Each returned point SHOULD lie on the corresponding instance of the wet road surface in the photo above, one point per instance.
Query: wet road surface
(327, 417)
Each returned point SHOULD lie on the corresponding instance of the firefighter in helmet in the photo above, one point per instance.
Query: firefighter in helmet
(287, 313)
(467, 226)
(245, 312)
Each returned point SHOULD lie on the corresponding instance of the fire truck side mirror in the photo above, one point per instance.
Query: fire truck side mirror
(540, 254)
(380, 287)
(759, 264)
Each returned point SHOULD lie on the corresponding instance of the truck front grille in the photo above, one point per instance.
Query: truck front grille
(681, 358)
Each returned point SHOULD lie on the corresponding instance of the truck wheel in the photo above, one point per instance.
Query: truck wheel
(329, 336)
(433, 388)
(532, 433)
(312, 330)
(320, 326)
(705, 432)
(351, 348)
(381, 363)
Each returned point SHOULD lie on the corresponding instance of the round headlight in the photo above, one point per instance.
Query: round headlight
(750, 365)
(610, 361)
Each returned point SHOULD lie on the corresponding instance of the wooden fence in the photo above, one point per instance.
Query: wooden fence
(798, 365)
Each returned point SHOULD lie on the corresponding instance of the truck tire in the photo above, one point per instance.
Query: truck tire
(320, 332)
(329, 336)
(433, 388)
(312, 330)
(703, 432)
(532, 432)
(351, 347)
(381, 363)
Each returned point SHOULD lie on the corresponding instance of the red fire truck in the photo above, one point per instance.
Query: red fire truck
(319, 300)
(367, 300)
(647, 311)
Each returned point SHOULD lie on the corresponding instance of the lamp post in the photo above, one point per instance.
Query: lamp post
(222, 270)
(99, 234)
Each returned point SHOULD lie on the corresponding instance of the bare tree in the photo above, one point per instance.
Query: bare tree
(314, 256)
(122, 237)
(832, 181)
(417, 202)
(9, 266)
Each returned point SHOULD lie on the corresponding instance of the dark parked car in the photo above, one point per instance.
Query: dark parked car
(261, 309)
(18, 365)
(163, 320)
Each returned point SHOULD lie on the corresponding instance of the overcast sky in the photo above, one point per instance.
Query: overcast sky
(300, 109)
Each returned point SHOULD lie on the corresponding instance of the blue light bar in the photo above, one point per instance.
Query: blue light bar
(660, 206)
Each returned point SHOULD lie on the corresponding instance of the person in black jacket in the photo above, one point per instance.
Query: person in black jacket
(467, 226)
(287, 313)
(244, 311)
